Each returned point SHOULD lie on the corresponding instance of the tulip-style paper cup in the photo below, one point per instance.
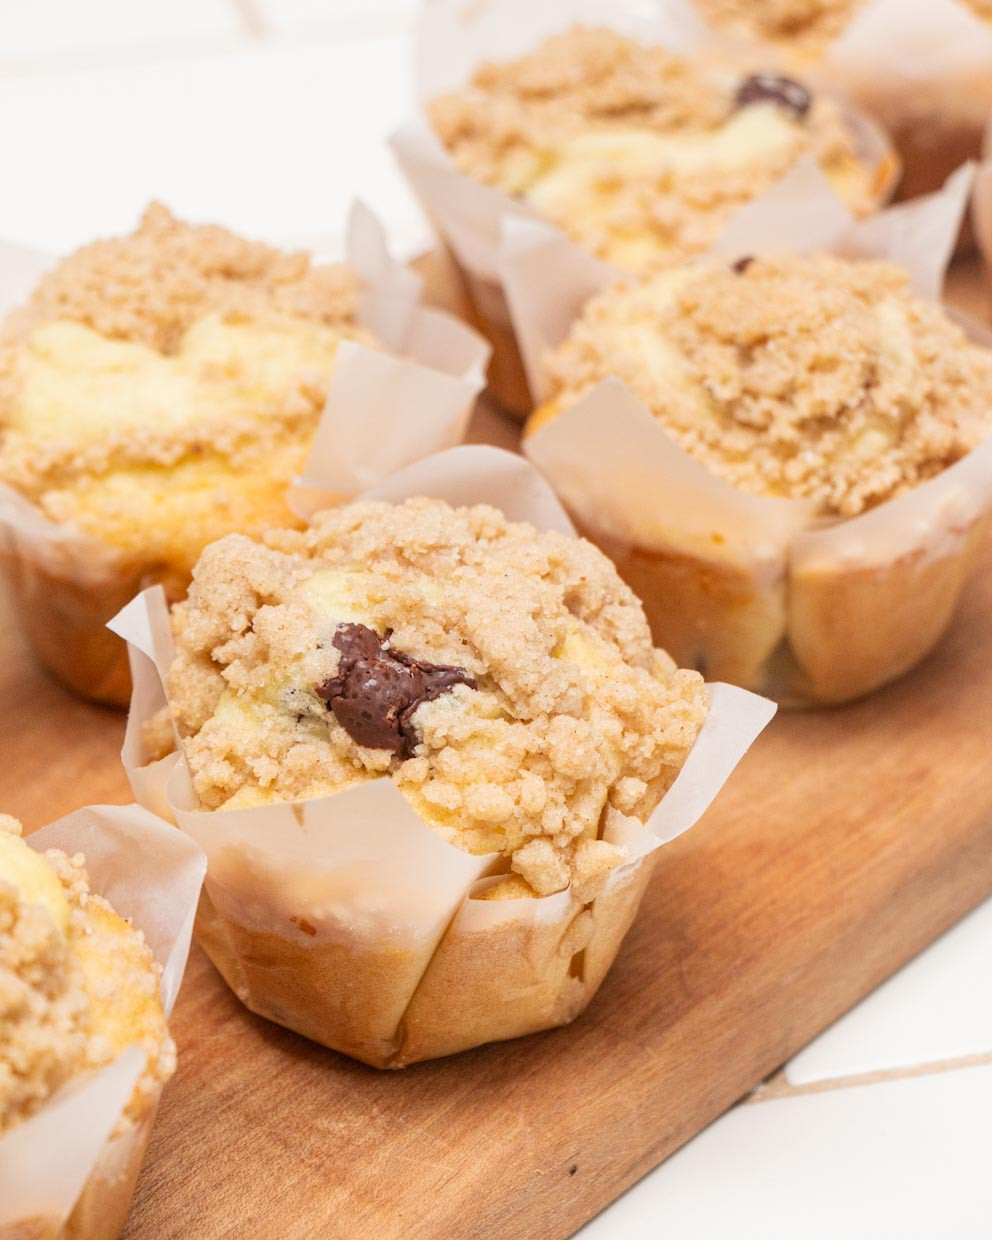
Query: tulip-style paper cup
(925, 72)
(349, 920)
(981, 202)
(68, 1172)
(65, 586)
(451, 40)
(753, 590)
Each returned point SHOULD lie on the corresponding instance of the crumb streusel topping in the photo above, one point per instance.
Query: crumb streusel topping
(77, 983)
(152, 286)
(639, 154)
(808, 24)
(160, 363)
(818, 378)
(549, 702)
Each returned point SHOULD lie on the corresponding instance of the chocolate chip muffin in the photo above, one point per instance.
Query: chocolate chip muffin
(79, 985)
(495, 693)
(819, 381)
(641, 155)
(925, 70)
(505, 680)
(156, 392)
(803, 26)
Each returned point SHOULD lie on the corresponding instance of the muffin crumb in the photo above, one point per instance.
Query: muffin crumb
(559, 699)
(817, 378)
(639, 154)
(72, 998)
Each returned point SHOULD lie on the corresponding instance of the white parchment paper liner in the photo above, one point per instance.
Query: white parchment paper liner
(923, 69)
(621, 474)
(361, 875)
(981, 204)
(384, 409)
(451, 39)
(151, 874)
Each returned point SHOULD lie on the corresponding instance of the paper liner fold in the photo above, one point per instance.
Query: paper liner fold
(925, 70)
(981, 206)
(749, 589)
(61, 1169)
(351, 921)
(384, 409)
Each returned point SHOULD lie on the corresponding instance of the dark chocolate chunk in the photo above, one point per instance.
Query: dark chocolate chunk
(742, 264)
(377, 689)
(771, 88)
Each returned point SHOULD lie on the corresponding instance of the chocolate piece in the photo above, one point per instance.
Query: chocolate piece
(377, 690)
(742, 264)
(771, 88)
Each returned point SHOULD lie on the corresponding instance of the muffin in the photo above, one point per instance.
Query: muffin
(469, 721)
(639, 154)
(79, 986)
(157, 392)
(813, 396)
(925, 70)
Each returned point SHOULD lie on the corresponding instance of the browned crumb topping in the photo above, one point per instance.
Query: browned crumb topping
(571, 709)
(72, 999)
(819, 378)
(153, 285)
(811, 24)
(163, 388)
(512, 126)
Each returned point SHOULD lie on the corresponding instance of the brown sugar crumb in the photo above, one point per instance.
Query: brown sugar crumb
(160, 389)
(561, 708)
(77, 984)
(574, 127)
(817, 378)
(151, 286)
(809, 24)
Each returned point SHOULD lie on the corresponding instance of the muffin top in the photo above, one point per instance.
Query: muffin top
(179, 361)
(640, 155)
(806, 24)
(802, 377)
(78, 984)
(503, 678)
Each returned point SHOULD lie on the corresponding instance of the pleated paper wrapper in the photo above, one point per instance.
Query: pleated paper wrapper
(451, 39)
(66, 1172)
(925, 71)
(981, 210)
(921, 68)
(749, 589)
(421, 387)
(349, 920)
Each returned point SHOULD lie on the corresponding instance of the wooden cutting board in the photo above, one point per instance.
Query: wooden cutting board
(847, 841)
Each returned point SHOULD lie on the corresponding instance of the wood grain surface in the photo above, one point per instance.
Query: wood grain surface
(847, 841)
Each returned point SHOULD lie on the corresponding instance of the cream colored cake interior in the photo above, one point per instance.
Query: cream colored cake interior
(570, 709)
(638, 154)
(78, 984)
(162, 389)
(817, 378)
